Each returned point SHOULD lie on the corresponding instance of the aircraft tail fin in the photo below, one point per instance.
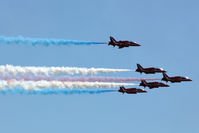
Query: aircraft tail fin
(121, 89)
(165, 76)
(144, 82)
(139, 67)
(112, 39)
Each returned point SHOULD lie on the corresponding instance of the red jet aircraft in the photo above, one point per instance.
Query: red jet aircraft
(175, 79)
(131, 90)
(152, 84)
(122, 44)
(150, 70)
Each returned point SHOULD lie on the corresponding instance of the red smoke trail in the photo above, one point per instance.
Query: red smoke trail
(68, 78)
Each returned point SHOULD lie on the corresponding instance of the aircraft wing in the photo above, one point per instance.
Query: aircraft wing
(120, 47)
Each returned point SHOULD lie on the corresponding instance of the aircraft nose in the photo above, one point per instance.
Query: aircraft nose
(144, 91)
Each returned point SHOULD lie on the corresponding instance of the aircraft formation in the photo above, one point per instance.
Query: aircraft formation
(151, 85)
(37, 78)
(150, 70)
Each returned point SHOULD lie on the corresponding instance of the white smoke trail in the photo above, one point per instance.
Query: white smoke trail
(74, 78)
(7, 70)
(32, 85)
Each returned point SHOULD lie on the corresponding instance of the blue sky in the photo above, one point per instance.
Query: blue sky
(168, 31)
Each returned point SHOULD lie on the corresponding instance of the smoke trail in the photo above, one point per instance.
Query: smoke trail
(32, 85)
(18, 70)
(72, 79)
(45, 42)
(54, 91)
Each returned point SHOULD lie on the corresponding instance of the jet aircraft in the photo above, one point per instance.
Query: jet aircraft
(150, 70)
(122, 44)
(131, 90)
(174, 79)
(152, 85)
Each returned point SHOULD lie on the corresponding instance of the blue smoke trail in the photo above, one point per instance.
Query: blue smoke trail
(54, 91)
(45, 42)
